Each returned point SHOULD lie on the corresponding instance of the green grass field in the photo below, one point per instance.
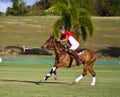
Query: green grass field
(20, 80)
(33, 31)
(28, 31)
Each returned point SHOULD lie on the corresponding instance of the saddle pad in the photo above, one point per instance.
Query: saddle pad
(80, 51)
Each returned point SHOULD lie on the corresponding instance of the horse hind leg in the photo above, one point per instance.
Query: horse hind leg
(92, 72)
(82, 75)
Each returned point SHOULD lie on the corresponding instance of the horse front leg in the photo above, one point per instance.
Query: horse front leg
(52, 72)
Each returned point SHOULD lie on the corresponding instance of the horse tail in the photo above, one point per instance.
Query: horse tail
(100, 54)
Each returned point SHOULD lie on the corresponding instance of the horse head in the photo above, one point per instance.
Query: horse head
(49, 43)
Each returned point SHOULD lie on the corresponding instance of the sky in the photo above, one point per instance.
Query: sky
(4, 4)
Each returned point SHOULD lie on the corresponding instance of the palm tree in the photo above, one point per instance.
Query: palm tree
(77, 20)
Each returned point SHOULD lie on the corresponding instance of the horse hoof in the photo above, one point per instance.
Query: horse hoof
(55, 78)
(74, 82)
(92, 84)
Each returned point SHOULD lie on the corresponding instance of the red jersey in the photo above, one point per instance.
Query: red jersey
(67, 35)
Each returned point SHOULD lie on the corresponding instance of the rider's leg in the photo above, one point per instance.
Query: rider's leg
(71, 52)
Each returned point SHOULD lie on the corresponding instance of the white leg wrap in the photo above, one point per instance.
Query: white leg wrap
(48, 74)
(93, 81)
(54, 68)
(79, 78)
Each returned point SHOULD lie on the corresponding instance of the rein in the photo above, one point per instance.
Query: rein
(60, 47)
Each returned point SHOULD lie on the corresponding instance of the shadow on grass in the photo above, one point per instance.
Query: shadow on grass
(6, 80)
(56, 83)
(32, 82)
(111, 51)
(23, 50)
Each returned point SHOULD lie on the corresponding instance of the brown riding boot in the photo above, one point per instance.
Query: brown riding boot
(71, 52)
(77, 58)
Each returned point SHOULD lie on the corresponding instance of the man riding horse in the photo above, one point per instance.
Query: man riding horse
(72, 41)
(63, 59)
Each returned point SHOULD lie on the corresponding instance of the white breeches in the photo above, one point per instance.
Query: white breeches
(74, 43)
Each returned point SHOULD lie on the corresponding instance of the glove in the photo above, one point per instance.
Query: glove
(58, 39)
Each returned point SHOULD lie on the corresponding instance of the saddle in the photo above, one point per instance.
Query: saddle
(80, 50)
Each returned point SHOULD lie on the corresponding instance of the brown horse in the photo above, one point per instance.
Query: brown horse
(63, 59)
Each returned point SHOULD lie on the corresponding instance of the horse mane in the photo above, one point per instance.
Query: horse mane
(59, 44)
(62, 48)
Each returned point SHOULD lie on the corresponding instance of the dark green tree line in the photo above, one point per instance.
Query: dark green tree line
(17, 9)
(94, 7)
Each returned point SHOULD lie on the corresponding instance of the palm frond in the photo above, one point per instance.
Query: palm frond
(56, 26)
(57, 8)
(84, 33)
(86, 21)
(76, 20)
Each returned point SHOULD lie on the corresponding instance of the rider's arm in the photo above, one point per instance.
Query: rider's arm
(64, 40)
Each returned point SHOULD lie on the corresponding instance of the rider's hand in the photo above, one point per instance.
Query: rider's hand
(58, 39)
